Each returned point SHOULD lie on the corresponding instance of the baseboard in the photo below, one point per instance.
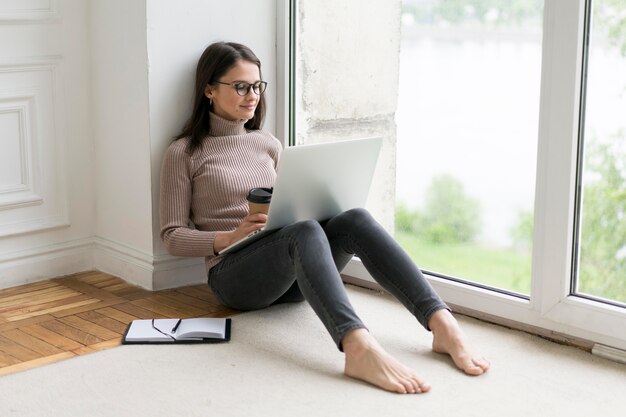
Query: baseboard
(143, 269)
(95, 253)
(130, 264)
(173, 271)
(45, 262)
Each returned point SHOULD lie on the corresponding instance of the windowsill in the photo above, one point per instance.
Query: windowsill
(553, 336)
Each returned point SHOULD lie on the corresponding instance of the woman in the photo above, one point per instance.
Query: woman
(207, 172)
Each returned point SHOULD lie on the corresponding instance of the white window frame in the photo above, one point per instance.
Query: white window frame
(284, 35)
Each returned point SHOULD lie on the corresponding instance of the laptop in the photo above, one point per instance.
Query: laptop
(317, 182)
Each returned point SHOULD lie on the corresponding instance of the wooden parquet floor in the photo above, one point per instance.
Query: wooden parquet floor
(61, 318)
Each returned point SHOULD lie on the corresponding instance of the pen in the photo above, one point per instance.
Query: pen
(176, 325)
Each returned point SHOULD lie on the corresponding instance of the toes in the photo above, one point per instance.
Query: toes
(473, 370)
(476, 366)
(482, 363)
(421, 386)
(408, 385)
(399, 388)
(417, 386)
(469, 364)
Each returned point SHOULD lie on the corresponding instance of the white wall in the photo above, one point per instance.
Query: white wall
(123, 222)
(178, 33)
(121, 122)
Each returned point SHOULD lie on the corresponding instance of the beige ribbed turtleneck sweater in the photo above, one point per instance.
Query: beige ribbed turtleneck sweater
(206, 193)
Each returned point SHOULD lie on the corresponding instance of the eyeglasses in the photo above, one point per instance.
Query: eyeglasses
(243, 88)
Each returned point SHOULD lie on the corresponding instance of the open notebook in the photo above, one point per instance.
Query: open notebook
(195, 330)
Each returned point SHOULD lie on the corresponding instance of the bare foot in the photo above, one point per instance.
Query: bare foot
(368, 361)
(448, 338)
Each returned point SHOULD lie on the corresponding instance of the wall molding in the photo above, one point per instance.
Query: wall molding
(46, 11)
(39, 200)
(34, 225)
(26, 63)
(25, 191)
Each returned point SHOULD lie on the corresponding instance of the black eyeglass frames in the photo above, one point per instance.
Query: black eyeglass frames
(243, 88)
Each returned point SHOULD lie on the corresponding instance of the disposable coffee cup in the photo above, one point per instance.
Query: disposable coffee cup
(259, 200)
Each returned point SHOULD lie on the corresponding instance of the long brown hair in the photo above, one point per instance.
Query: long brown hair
(217, 59)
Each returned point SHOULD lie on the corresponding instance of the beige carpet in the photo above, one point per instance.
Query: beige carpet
(281, 362)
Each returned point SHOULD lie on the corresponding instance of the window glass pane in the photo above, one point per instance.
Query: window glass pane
(602, 266)
(467, 121)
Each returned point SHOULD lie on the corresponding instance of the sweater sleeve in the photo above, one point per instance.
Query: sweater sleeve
(275, 150)
(179, 237)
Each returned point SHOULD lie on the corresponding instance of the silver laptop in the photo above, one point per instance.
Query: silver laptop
(317, 182)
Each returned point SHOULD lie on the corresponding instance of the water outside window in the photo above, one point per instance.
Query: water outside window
(467, 118)
(602, 243)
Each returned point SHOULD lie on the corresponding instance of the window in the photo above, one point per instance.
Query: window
(601, 271)
(495, 120)
(468, 113)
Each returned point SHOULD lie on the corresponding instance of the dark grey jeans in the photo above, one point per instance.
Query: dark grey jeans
(303, 261)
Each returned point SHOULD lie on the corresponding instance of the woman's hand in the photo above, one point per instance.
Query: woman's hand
(249, 224)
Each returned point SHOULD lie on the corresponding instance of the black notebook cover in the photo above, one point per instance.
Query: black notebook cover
(174, 342)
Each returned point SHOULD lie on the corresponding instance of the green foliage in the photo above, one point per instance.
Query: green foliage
(608, 15)
(522, 232)
(449, 216)
(406, 220)
(602, 269)
(439, 239)
(500, 268)
(611, 15)
(461, 11)
(516, 11)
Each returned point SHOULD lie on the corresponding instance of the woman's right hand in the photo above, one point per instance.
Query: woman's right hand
(249, 224)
